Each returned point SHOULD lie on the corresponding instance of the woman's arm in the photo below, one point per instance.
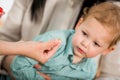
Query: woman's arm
(40, 51)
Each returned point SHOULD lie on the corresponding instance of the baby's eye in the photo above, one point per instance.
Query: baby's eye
(96, 44)
(84, 33)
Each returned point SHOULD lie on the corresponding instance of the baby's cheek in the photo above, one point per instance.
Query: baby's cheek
(92, 54)
(74, 40)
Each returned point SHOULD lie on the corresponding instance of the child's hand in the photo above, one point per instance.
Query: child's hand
(45, 76)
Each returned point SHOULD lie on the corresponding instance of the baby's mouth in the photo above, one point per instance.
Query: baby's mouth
(81, 52)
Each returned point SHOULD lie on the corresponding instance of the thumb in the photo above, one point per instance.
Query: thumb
(52, 51)
(53, 47)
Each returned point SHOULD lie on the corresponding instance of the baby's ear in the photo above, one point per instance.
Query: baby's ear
(79, 23)
(107, 51)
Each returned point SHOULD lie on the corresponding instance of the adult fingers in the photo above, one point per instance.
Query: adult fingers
(52, 50)
(51, 44)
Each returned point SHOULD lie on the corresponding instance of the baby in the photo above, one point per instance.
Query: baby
(97, 32)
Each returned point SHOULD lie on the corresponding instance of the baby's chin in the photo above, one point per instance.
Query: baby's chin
(80, 55)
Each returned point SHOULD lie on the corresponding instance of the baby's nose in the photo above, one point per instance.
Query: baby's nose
(85, 43)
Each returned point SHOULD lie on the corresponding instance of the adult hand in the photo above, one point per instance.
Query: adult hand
(40, 51)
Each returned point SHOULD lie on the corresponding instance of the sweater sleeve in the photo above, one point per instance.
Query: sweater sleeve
(22, 69)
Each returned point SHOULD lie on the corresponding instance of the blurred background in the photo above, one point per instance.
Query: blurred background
(6, 5)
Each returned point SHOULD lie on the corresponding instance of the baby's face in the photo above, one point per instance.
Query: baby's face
(91, 39)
